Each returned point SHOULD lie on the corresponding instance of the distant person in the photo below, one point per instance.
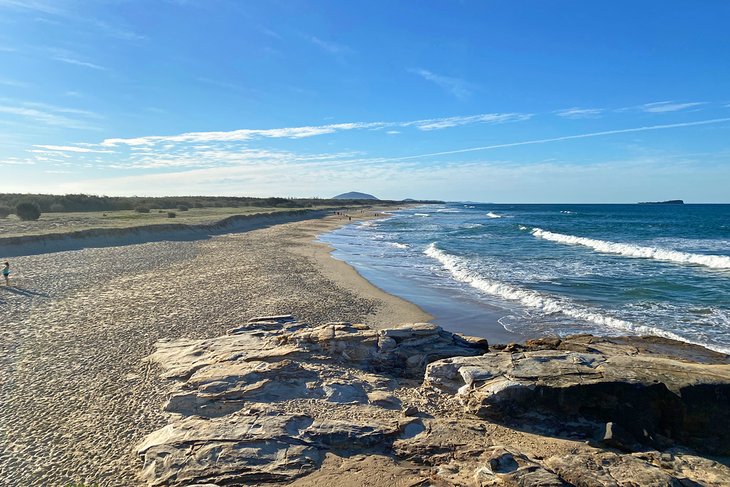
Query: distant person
(6, 272)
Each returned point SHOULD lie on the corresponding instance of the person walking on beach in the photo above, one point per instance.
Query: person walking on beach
(6, 272)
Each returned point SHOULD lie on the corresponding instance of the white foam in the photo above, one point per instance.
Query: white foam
(522, 227)
(631, 250)
(567, 212)
(398, 245)
(493, 215)
(421, 214)
(472, 225)
(459, 269)
(447, 210)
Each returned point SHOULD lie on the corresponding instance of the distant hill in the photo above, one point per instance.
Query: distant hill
(354, 195)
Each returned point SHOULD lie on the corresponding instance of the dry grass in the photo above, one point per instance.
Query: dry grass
(50, 223)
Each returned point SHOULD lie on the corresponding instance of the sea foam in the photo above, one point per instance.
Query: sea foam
(493, 215)
(398, 245)
(459, 269)
(631, 250)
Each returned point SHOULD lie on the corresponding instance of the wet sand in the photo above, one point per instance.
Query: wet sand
(75, 392)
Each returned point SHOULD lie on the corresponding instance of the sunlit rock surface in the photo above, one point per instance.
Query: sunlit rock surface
(280, 402)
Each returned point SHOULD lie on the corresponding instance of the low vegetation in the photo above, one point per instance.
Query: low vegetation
(74, 203)
(28, 211)
(49, 203)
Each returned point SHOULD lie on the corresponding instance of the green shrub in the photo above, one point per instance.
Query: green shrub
(142, 209)
(5, 211)
(182, 208)
(57, 208)
(171, 214)
(198, 204)
(28, 211)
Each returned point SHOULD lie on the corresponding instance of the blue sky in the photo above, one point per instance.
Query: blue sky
(534, 101)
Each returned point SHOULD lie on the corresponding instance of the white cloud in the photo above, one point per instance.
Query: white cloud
(311, 131)
(458, 87)
(14, 161)
(541, 181)
(579, 112)
(442, 123)
(67, 148)
(392, 132)
(668, 106)
(242, 135)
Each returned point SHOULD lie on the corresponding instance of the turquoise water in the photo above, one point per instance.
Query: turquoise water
(514, 271)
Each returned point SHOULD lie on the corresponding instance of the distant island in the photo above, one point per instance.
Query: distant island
(354, 195)
(668, 202)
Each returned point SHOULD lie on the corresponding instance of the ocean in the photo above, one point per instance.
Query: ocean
(510, 272)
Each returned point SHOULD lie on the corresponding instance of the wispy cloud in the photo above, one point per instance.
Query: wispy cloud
(270, 33)
(458, 87)
(242, 135)
(116, 31)
(14, 161)
(35, 5)
(668, 106)
(576, 112)
(13, 83)
(52, 8)
(329, 46)
(69, 148)
(78, 62)
(442, 123)
(49, 114)
(57, 109)
(568, 137)
(311, 131)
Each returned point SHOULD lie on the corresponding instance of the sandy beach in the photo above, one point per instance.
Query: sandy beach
(76, 395)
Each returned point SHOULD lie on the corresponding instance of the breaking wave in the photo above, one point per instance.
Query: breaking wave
(459, 270)
(631, 250)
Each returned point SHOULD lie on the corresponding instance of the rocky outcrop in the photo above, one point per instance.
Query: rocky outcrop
(280, 402)
(641, 399)
(255, 405)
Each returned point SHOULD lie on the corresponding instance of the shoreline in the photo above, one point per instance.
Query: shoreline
(395, 310)
(77, 391)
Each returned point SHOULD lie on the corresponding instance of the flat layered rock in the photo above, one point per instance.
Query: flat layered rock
(231, 421)
(653, 397)
(278, 402)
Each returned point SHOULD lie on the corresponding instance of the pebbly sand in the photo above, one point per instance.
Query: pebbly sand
(75, 395)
